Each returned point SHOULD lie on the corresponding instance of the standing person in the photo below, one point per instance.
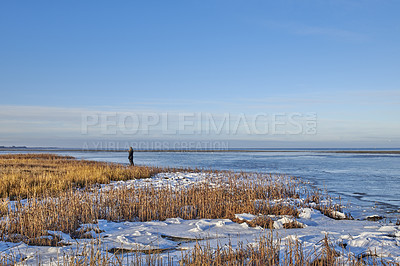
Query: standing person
(130, 157)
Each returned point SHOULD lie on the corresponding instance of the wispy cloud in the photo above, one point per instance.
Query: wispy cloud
(299, 28)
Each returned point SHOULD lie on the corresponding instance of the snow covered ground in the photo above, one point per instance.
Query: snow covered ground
(174, 236)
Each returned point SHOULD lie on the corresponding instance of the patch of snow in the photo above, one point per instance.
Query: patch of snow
(306, 213)
(245, 216)
(338, 215)
(280, 224)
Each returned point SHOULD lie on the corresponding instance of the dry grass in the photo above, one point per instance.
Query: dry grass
(314, 198)
(268, 250)
(30, 221)
(33, 175)
(331, 210)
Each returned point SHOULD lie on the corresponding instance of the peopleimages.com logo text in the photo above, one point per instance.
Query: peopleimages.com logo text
(199, 123)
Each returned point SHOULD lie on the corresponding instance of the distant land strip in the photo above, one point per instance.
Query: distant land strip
(202, 150)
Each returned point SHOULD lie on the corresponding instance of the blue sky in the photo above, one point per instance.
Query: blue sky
(337, 59)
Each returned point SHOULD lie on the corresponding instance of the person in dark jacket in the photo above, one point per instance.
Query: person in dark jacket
(130, 157)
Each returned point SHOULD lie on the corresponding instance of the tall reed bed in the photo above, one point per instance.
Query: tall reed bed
(267, 250)
(270, 250)
(30, 220)
(33, 175)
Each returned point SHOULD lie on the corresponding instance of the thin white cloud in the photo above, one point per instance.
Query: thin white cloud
(329, 32)
(299, 28)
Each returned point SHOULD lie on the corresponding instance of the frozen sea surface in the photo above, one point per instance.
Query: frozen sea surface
(366, 183)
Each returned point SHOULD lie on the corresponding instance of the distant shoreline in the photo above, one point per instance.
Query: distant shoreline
(355, 151)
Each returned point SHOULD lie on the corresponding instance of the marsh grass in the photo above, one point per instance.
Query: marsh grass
(33, 175)
(270, 250)
(265, 252)
(29, 221)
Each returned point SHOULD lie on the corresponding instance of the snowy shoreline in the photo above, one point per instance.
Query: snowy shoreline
(174, 236)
